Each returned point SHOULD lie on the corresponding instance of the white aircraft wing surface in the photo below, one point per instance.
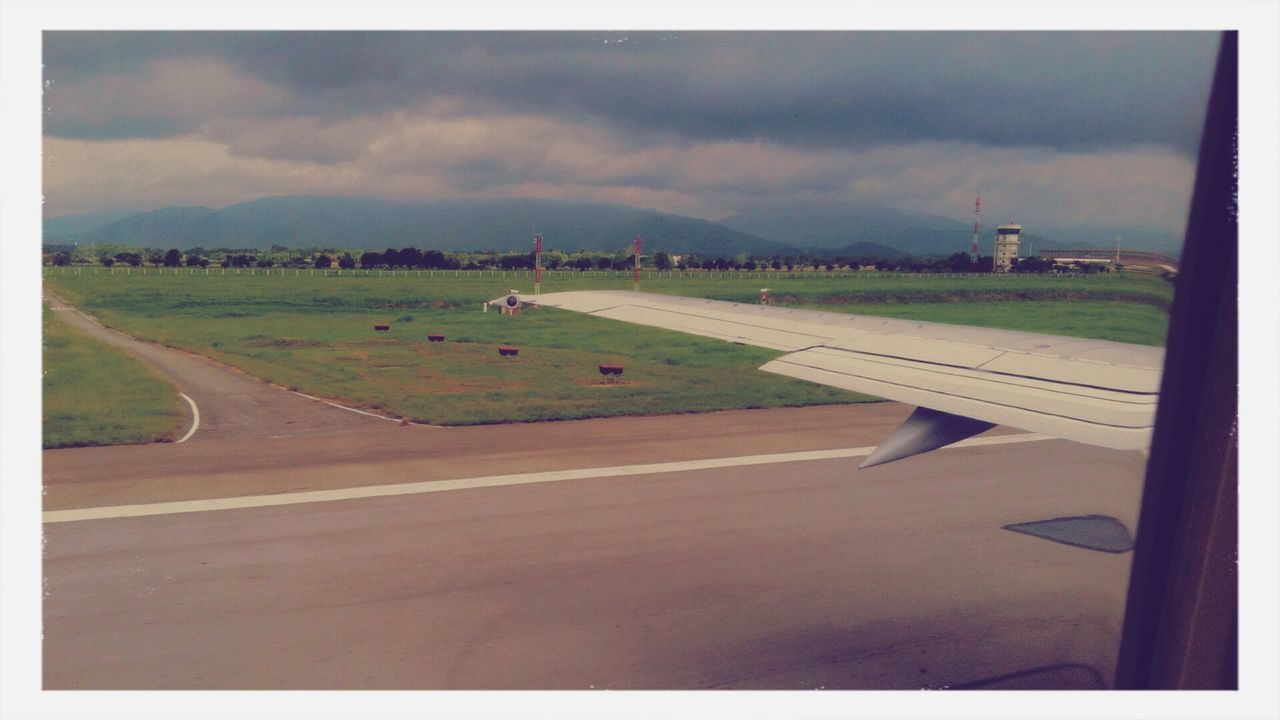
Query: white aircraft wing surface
(1090, 391)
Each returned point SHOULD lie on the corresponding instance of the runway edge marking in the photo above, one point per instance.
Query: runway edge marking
(362, 412)
(370, 491)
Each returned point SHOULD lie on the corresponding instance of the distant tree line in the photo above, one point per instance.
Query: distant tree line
(411, 258)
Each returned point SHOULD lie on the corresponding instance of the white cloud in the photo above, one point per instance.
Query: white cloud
(170, 95)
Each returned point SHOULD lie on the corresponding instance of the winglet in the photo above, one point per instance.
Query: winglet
(925, 430)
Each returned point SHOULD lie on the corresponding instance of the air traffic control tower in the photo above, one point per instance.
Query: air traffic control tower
(1007, 237)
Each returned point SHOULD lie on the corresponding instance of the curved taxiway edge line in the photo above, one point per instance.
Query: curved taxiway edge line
(195, 417)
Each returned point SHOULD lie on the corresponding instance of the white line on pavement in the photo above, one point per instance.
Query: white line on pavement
(252, 501)
(342, 407)
(348, 409)
(195, 418)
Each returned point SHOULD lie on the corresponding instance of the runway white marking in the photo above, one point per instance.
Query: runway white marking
(195, 421)
(351, 409)
(252, 501)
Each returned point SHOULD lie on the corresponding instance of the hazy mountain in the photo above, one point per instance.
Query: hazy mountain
(374, 224)
(1131, 238)
(841, 226)
(370, 223)
(75, 224)
(868, 250)
(678, 234)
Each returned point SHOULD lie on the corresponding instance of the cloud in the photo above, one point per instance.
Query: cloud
(1143, 186)
(1055, 128)
(302, 139)
(165, 97)
(438, 151)
(83, 175)
(1062, 90)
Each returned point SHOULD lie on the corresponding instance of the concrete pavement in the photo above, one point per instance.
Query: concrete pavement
(795, 575)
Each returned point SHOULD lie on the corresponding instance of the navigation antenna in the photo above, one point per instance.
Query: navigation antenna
(977, 212)
(537, 265)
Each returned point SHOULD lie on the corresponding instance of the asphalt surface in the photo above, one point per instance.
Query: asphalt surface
(789, 575)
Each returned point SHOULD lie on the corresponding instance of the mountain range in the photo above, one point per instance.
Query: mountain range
(471, 225)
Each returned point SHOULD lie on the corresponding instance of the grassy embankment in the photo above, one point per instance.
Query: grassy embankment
(98, 395)
(315, 334)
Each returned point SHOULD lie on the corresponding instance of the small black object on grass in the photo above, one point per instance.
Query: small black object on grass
(508, 351)
(435, 338)
(382, 328)
(610, 372)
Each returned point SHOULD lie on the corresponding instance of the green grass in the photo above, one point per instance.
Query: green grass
(315, 334)
(244, 293)
(98, 395)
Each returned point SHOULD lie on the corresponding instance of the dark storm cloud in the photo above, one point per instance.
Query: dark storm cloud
(1071, 91)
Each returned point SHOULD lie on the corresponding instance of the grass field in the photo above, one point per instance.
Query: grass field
(314, 333)
(97, 395)
(377, 288)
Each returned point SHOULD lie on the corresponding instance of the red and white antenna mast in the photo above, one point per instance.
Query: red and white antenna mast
(977, 213)
(537, 265)
(635, 283)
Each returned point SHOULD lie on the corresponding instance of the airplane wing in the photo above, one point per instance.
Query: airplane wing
(963, 380)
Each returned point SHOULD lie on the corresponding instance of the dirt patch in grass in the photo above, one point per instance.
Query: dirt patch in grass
(615, 384)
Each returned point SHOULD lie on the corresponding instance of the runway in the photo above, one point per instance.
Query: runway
(789, 574)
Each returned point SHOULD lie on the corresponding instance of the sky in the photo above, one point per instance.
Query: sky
(1052, 128)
